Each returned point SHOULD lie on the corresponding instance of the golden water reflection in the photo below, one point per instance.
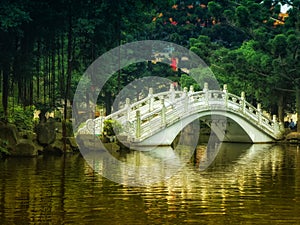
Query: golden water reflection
(243, 184)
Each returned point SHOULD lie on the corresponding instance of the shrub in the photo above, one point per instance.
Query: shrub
(111, 127)
(22, 117)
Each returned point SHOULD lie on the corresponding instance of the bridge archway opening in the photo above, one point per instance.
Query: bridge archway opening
(227, 126)
(226, 129)
(214, 129)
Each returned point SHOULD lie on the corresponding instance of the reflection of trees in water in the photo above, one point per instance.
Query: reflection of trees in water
(204, 155)
(246, 158)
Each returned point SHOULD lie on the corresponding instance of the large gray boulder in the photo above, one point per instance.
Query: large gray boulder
(57, 148)
(24, 147)
(71, 141)
(46, 133)
(88, 142)
(293, 137)
(8, 134)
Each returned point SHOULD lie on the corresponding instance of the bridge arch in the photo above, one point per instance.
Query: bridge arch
(228, 127)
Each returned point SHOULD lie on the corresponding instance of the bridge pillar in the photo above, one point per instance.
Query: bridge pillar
(138, 124)
(151, 99)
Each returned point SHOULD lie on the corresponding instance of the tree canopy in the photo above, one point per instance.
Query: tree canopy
(45, 46)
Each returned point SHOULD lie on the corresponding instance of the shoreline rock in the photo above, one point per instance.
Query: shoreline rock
(293, 138)
(24, 148)
(48, 140)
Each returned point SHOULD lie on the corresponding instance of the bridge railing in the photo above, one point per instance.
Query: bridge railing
(151, 114)
(206, 100)
(128, 112)
(253, 114)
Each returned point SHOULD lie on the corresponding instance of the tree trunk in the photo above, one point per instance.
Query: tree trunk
(108, 102)
(298, 107)
(280, 108)
(5, 83)
(31, 92)
(62, 79)
(69, 76)
(53, 76)
(38, 71)
(49, 79)
(45, 78)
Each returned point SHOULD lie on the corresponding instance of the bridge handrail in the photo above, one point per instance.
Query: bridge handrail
(253, 113)
(262, 119)
(185, 100)
(140, 102)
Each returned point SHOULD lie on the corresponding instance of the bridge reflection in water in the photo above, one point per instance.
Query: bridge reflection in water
(244, 184)
(162, 162)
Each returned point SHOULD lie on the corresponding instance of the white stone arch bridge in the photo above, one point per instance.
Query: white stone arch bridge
(165, 114)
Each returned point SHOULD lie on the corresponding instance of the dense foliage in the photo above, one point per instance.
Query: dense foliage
(45, 46)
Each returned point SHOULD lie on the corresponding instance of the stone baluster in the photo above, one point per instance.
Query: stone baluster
(243, 104)
(128, 108)
(275, 124)
(102, 124)
(172, 93)
(225, 94)
(185, 99)
(163, 112)
(206, 94)
(205, 88)
(259, 113)
(138, 124)
(191, 91)
(151, 99)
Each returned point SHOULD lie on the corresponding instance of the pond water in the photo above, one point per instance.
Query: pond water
(239, 184)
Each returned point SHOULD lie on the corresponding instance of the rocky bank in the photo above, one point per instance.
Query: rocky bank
(45, 139)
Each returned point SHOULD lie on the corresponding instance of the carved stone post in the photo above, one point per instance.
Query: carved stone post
(151, 99)
(243, 105)
(205, 88)
(101, 122)
(191, 91)
(225, 94)
(259, 113)
(138, 124)
(163, 112)
(206, 94)
(172, 93)
(185, 99)
(128, 108)
(275, 125)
